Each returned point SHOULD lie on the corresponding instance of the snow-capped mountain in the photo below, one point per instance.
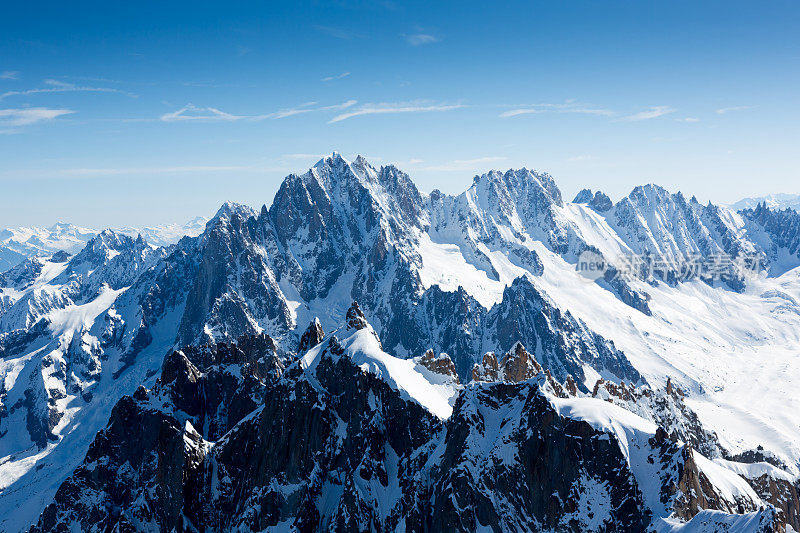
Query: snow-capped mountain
(18, 244)
(473, 275)
(166, 234)
(773, 201)
(353, 439)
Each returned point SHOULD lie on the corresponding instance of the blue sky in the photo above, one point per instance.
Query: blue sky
(156, 112)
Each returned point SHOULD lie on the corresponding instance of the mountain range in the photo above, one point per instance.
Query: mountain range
(362, 355)
(773, 201)
(20, 243)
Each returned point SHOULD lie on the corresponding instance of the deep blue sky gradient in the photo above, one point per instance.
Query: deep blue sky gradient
(697, 96)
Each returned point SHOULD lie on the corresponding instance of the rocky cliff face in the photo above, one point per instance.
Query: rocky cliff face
(346, 438)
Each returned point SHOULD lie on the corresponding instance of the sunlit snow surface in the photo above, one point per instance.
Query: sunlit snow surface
(737, 356)
(716, 522)
(633, 433)
(413, 381)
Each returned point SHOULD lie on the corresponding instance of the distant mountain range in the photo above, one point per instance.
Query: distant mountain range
(17, 244)
(773, 201)
(360, 355)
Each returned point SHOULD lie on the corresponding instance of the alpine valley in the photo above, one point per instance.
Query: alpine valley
(362, 356)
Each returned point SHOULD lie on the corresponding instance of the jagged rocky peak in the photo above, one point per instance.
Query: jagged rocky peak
(515, 366)
(105, 246)
(230, 210)
(390, 189)
(598, 201)
(111, 240)
(530, 190)
(781, 226)
(438, 364)
(650, 194)
(518, 364)
(355, 317)
(60, 257)
(177, 366)
(23, 274)
(583, 197)
(312, 336)
(334, 172)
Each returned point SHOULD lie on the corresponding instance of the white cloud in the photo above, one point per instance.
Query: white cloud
(58, 86)
(459, 164)
(734, 108)
(9, 75)
(518, 112)
(192, 112)
(569, 107)
(283, 113)
(393, 108)
(121, 171)
(337, 107)
(688, 119)
(12, 118)
(337, 33)
(337, 77)
(418, 39)
(653, 112)
(59, 83)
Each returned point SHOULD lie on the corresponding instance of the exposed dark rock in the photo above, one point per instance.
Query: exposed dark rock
(355, 317)
(515, 366)
(312, 336)
(441, 364)
(664, 407)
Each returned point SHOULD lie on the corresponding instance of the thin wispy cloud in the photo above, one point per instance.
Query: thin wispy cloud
(688, 119)
(411, 162)
(9, 75)
(14, 118)
(58, 86)
(419, 39)
(569, 107)
(104, 80)
(337, 107)
(191, 112)
(336, 32)
(122, 171)
(337, 77)
(457, 165)
(283, 113)
(724, 110)
(651, 113)
(394, 108)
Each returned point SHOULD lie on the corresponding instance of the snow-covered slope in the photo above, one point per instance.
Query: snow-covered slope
(464, 275)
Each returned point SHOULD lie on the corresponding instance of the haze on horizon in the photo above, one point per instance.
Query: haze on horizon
(149, 113)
